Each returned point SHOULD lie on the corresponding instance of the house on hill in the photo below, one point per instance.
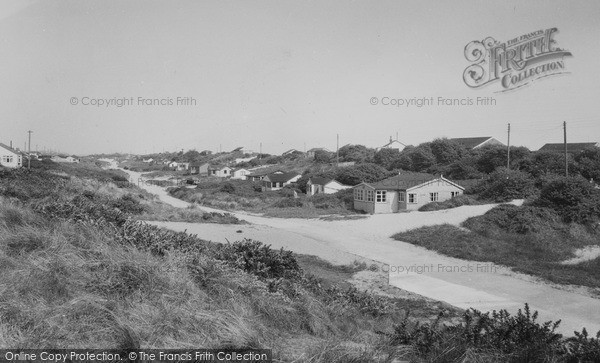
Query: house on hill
(220, 171)
(318, 185)
(183, 166)
(279, 179)
(199, 168)
(256, 176)
(393, 144)
(9, 157)
(64, 159)
(572, 147)
(406, 191)
(477, 142)
(173, 164)
(239, 174)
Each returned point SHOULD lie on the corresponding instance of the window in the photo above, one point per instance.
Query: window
(412, 198)
(401, 197)
(454, 194)
(369, 195)
(7, 158)
(358, 194)
(380, 196)
(433, 197)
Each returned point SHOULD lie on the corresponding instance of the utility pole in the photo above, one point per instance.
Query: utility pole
(260, 153)
(508, 149)
(29, 153)
(566, 151)
(337, 152)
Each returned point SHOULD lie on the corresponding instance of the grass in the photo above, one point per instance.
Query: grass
(528, 239)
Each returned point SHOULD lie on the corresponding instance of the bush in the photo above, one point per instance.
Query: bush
(518, 338)
(288, 203)
(574, 198)
(513, 219)
(326, 201)
(259, 259)
(504, 185)
(450, 203)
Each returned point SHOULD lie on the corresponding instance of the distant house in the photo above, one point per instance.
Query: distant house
(199, 168)
(317, 185)
(572, 147)
(9, 157)
(220, 171)
(278, 180)
(477, 142)
(239, 174)
(311, 153)
(173, 164)
(183, 166)
(393, 144)
(148, 160)
(407, 191)
(64, 159)
(256, 176)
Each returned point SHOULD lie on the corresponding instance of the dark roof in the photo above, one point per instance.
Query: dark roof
(403, 181)
(317, 149)
(571, 147)
(11, 149)
(237, 149)
(320, 180)
(282, 177)
(471, 142)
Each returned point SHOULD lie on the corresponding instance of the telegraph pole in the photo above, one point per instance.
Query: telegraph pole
(508, 149)
(566, 151)
(337, 152)
(29, 154)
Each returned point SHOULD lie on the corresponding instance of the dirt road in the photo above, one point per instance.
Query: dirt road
(464, 284)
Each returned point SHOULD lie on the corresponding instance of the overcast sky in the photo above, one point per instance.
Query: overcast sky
(284, 73)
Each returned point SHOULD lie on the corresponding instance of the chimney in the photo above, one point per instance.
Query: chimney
(11, 144)
(390, 139)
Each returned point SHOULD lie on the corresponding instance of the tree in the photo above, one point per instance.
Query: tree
(574, 198)
(495, 156)
(322, 156)
(446, 151)
(366, 172)
(541, 163)
(356, 153)
(589, 163)
(504, 185)
(386, 157)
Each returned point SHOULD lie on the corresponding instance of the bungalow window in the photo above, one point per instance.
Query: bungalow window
(454, 194)
(369, 195)
(412, 198)
(401, 197)
(359, 194)
(380, 196)
(7, 159)
(433, 197)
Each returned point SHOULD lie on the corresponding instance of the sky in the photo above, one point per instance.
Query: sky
(284, 74)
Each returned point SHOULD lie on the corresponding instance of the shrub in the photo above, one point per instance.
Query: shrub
(450, 203)
(574, 198)
(513, 219)
(259, 259)
(227, 188)
(504, 185)
(288, 203)
(325, 201)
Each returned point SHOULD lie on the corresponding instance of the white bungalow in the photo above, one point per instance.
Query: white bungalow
(408, 191)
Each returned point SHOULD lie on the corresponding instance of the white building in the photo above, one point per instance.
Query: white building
(10, 157)
(317, 185)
